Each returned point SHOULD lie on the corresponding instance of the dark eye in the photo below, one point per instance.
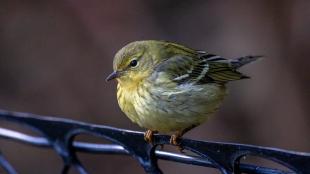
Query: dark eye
(133, 63)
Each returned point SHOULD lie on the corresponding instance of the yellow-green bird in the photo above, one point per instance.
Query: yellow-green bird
(170, 88)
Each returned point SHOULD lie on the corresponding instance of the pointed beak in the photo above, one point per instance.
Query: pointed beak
(112, 76)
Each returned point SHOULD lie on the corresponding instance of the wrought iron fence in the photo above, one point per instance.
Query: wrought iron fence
(59, 134)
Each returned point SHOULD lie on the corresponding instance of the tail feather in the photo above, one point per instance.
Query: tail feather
(239, 62)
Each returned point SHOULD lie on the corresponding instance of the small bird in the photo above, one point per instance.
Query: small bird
(170, 88)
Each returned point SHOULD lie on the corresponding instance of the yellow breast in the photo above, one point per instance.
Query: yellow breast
(168, 110)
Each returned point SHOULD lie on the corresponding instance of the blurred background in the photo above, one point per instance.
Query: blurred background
(55, 56)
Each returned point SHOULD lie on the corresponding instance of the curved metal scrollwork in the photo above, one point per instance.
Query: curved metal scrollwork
(59, 134)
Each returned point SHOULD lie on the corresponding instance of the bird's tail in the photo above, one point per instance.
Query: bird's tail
(239, 62)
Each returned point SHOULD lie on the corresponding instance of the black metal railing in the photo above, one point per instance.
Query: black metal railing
(59, 134)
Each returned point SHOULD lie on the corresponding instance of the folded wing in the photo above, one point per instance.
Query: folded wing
(203, 68)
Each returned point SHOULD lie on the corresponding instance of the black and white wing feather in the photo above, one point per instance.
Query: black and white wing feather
(204, 68)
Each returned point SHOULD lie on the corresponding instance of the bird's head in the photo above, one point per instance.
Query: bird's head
(136, 61)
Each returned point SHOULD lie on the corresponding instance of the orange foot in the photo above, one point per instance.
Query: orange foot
(149, 136)
(175, 140)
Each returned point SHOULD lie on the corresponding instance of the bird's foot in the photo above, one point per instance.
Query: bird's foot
(149, 136)
(175, 140)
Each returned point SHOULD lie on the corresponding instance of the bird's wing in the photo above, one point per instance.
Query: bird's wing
(202, 68)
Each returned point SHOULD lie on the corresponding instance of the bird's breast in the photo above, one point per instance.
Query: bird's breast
(166, 110)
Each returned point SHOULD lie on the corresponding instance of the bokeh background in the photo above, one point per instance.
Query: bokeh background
(55, 55)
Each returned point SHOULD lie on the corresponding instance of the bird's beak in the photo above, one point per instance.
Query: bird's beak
(112, 76)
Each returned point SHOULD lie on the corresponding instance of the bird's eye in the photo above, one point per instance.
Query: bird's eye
(133, 63)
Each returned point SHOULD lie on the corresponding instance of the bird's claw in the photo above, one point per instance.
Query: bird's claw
(175, 140)
(149, 136)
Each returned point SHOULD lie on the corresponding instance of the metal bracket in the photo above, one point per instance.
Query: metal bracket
(59, 134)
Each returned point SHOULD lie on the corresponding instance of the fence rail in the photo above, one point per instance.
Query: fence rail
(59, 134)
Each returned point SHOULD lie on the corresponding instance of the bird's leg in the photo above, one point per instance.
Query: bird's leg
(149, 136)
(175, 138)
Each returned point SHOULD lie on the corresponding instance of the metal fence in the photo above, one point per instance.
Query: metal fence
(59, 134)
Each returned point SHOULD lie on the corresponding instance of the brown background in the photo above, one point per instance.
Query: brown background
(55, 55)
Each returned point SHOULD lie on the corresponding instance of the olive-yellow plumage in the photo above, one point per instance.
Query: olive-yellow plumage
(167, 87)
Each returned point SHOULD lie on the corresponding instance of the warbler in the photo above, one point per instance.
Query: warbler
(170, 88)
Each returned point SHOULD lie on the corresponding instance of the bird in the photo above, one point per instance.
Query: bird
(166, 87)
